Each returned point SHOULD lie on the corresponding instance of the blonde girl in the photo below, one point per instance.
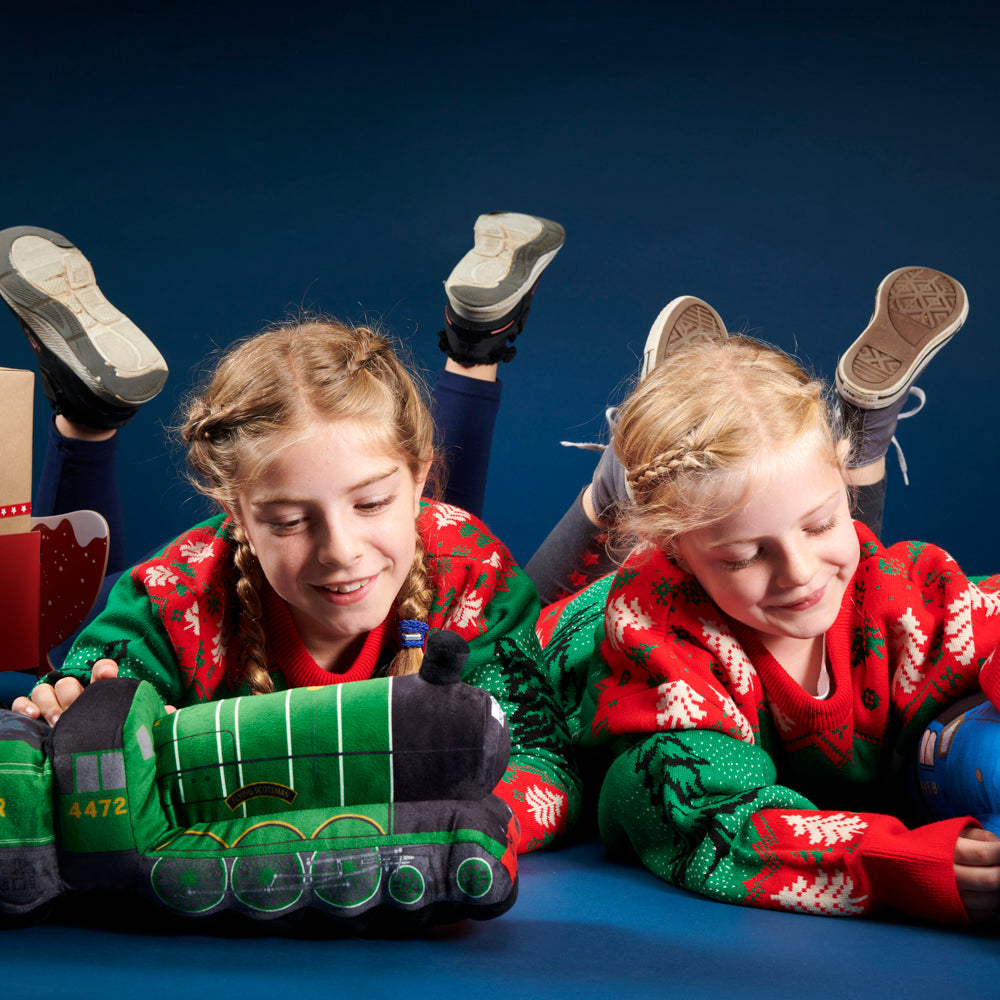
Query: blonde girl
(764, 658)
(325, 564)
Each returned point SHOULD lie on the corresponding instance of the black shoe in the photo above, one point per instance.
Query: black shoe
(490, 289)
(97, 367)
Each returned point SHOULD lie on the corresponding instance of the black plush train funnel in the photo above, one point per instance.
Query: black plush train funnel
(444, 656)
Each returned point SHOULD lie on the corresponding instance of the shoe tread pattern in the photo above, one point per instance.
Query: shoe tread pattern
(695, 322)
(509, 253)
(682, 321)
(58, 299)
(917, 311)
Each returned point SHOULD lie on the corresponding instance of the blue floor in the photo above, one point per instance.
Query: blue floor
(582, 927)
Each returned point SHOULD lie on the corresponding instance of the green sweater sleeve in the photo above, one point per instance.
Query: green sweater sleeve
(129, 632)
(705, 812)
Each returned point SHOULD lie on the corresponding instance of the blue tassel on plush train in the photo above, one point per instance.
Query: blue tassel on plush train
(369, 802)
(957, 768)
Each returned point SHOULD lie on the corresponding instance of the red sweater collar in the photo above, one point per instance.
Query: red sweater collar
(788, 697)
(293, 660)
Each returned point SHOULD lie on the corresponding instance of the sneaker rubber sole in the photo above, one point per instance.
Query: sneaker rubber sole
(50, 286)
(917, 311)
(681, 321)
(509, 253)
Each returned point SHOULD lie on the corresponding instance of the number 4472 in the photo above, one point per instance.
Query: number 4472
(99, 807)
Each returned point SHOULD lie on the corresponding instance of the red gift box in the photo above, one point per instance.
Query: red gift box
(20, 575)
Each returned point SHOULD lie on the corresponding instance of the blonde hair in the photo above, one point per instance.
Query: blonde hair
(699, 432)
(278, 382)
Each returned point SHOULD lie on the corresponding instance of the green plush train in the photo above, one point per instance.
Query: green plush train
(371, 802)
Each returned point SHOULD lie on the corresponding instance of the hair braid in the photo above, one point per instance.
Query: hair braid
(413, 602)
(701, 430)
(253, 649)
(370, 352)
(686, 456)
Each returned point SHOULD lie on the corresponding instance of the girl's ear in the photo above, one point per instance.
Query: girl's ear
(843, 447)
(679, 560)
(673, 551)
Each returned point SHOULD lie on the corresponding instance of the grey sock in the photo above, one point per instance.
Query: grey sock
(571, 557)
(608, 485)
(871, 430)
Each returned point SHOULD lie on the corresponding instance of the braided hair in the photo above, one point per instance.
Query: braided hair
(699, 431)
(278, 382)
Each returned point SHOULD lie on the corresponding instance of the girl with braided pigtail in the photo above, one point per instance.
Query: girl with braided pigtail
(875, 380)
(764, 663)
(326, 563)
(367, 379)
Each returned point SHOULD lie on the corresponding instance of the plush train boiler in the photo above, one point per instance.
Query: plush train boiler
(370, 802)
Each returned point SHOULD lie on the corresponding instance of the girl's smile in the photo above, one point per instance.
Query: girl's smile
(804, 604)
(354, 591)
(781, 563)
(332, 521)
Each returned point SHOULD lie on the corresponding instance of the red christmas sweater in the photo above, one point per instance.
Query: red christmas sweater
(173, 621)
(732, 781)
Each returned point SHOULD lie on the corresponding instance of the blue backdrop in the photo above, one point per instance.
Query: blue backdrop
(224, 163)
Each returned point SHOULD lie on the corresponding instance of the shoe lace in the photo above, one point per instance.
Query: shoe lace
(599, 446)
(921, 397)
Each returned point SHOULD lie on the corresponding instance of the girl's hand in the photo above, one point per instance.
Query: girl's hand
(49, 701)
(977, 872)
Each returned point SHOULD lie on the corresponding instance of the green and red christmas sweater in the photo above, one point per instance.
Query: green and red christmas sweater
(727, 778)
(173, 621)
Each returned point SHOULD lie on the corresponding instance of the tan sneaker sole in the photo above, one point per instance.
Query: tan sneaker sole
(509, 253)
(917, 311)
(51, 287)
(682, 321)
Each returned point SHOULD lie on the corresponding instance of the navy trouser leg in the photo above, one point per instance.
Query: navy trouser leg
(465, 412)
(83, 475)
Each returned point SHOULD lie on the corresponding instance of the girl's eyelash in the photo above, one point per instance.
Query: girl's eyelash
(367, 507)
(280, 526)
(376, 505)
(819, 529)
(741, 563)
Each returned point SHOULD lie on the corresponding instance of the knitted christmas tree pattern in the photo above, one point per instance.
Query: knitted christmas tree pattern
(727, 845)
(569, 632)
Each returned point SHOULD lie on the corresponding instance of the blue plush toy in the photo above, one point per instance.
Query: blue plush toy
(958, 764)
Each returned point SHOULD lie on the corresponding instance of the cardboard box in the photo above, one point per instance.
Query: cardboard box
(20, 560)
(16, 414)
